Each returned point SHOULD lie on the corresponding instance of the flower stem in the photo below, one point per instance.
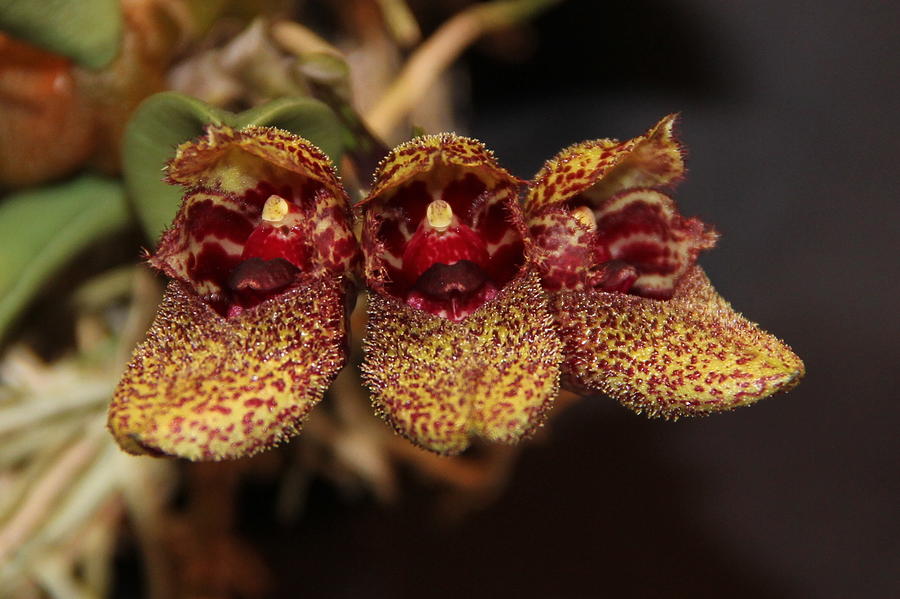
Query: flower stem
(440, 50)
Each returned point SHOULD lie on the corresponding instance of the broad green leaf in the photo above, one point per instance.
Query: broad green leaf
(159, 124)
(166, 120)
(306, 117)
(87, 31)
(44, 228)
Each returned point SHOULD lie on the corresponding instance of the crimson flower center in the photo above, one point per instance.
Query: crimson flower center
(448, 250)
(245, 250)
(273, 255)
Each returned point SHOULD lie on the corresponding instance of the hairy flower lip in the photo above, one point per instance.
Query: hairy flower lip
(439, 383)
(206, 387)
(688, 355)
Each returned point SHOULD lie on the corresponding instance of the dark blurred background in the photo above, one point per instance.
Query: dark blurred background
(789, 112)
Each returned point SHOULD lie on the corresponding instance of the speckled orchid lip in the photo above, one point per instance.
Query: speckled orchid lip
(639, 320)
(460, 341)
(688, 355)
(253, 326)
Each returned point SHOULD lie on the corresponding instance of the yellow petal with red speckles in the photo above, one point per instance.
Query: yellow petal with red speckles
(689, 355)
(206, 387)
(236, 160)
(423, 154)
(604, 167)
(492, 375)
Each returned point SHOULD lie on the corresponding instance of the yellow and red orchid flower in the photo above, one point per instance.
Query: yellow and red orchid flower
(253, 326)
(460, 340)
(477, 308)
(639, 320)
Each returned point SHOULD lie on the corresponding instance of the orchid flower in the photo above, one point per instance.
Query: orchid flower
(639, 319)
(460, 340)
(479, 307)
(253, 325)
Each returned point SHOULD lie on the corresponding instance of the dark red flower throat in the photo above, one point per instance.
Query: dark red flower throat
(248, 249)
(449, 242)
(237, 251)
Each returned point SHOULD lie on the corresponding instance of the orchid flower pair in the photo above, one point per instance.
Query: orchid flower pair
(486, 293)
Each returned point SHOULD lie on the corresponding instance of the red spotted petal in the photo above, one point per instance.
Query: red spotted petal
(691, 354)
(237, 160)
(206, 387)
(604, 167)
(427, 153)
(439, 383)
(564, 249)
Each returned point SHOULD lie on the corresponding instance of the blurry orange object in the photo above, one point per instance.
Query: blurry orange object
(46, 126)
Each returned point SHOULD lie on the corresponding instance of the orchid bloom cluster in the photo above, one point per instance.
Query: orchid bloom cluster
(486, 294)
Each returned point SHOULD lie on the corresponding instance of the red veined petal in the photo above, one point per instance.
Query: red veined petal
(258, 198)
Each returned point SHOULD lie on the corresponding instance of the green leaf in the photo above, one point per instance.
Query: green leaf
(158, 126)
(43, 228)
(87, 31)
(306, 117)
(168, 119)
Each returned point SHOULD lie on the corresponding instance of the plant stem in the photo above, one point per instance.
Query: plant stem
(440, 50)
